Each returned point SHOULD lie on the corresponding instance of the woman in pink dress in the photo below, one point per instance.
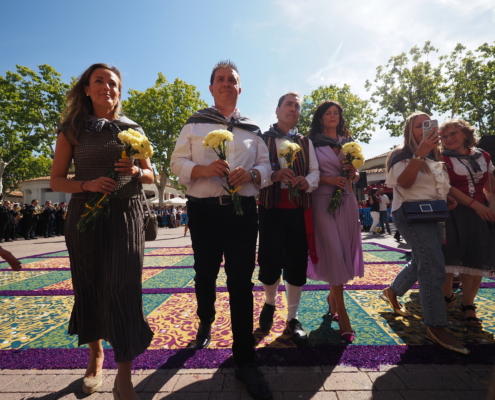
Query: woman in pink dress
(337, 235)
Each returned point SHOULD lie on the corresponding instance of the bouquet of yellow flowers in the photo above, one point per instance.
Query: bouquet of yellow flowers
(288, 151)
(354, 156)
(217, 140)
(137, 146)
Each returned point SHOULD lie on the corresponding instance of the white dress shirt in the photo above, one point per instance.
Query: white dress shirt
(245, 150)
(313, 176)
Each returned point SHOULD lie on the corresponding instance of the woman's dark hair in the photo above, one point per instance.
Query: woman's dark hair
(80, 107)
(373, 191)
(316, 128)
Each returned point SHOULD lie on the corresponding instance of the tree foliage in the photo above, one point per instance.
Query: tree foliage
(404, 85)
(358, 113)
(27, 166)
(162, 111)
(30, 107)
(469, 86)
(458, 85)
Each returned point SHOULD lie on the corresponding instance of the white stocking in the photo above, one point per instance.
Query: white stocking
(271, 293)
(293, 299)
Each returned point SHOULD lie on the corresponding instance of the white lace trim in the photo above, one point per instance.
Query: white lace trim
(441, 178)
(457, 269)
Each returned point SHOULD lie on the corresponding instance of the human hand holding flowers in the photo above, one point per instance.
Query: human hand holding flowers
(136, 146)
(239, 176)
(285, 175)
(218, 168)
(288, 151)
(353, 159)
(217, 141)
(103, 185)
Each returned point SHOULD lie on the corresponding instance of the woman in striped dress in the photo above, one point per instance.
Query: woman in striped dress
(106, 262)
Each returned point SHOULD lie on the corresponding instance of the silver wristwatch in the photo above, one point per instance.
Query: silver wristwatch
(140, 174)
(253, 173)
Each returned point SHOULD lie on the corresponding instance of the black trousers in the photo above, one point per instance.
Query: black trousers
(215, 232)
(30, 224)
(283, 246)
(60, 226)
(46, 226)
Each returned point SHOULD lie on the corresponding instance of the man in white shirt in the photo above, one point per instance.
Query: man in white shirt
(283, 223)
(384, 202)
(216, 230)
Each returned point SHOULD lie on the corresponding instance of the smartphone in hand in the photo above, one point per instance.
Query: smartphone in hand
(429, 126)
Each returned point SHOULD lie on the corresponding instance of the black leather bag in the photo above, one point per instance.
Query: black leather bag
(150, 223)
(426, 211)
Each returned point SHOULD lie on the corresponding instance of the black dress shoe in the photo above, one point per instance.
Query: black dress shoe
(2, 240)
(298, 334)
(27, 238)
(255, 382)
(266, 317)
(8, 240)
(34, 237)
(203, 337)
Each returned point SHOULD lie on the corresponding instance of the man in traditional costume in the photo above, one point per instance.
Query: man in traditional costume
(286, 225)
(216, 230)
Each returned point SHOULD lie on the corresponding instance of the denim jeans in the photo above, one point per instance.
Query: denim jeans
(384, 220)
(427, 267)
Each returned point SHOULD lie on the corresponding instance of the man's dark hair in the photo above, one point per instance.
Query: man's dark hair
(281, 100)
(224, 64)
(32, 201)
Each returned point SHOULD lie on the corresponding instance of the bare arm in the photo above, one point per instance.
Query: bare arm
(338, 181)
(484, 212)
(407, 178)
(490, 183)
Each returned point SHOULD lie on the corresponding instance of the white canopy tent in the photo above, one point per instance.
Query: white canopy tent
(176, 201)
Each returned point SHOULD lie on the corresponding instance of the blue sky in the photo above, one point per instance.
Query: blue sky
(278, 45)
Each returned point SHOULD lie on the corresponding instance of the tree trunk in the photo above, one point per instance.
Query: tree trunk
(161, 184)
(3, 164)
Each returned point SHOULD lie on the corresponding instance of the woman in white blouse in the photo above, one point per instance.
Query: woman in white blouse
(415, 173)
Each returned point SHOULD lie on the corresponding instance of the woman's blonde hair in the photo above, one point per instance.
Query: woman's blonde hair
(80, 107)
(471, 138)
(410, 143)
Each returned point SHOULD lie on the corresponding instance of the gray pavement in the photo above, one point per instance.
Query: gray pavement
(415, 382)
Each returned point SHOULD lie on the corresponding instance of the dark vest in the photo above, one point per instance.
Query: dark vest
(270, 196)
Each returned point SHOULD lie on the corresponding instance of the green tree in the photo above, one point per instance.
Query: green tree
(27, 166)
(358, 113)
(406, 84)
(469, 87)
(30, 108)
(162, 110)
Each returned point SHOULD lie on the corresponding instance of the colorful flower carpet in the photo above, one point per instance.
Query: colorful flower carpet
(35, 306)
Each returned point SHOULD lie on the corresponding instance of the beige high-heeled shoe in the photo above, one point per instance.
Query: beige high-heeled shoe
(91, 385)
(400, 311)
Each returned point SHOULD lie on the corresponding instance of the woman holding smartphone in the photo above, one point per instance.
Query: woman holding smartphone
(470, 245)
(415, 173)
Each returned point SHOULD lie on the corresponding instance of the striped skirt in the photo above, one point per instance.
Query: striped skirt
(106, 266)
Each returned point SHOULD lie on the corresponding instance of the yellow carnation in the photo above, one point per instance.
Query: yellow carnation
(357, 162)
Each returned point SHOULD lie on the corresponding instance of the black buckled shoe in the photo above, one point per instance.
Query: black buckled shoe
(266, 317)
(203, 337)
(298, 334)
(255, 382)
